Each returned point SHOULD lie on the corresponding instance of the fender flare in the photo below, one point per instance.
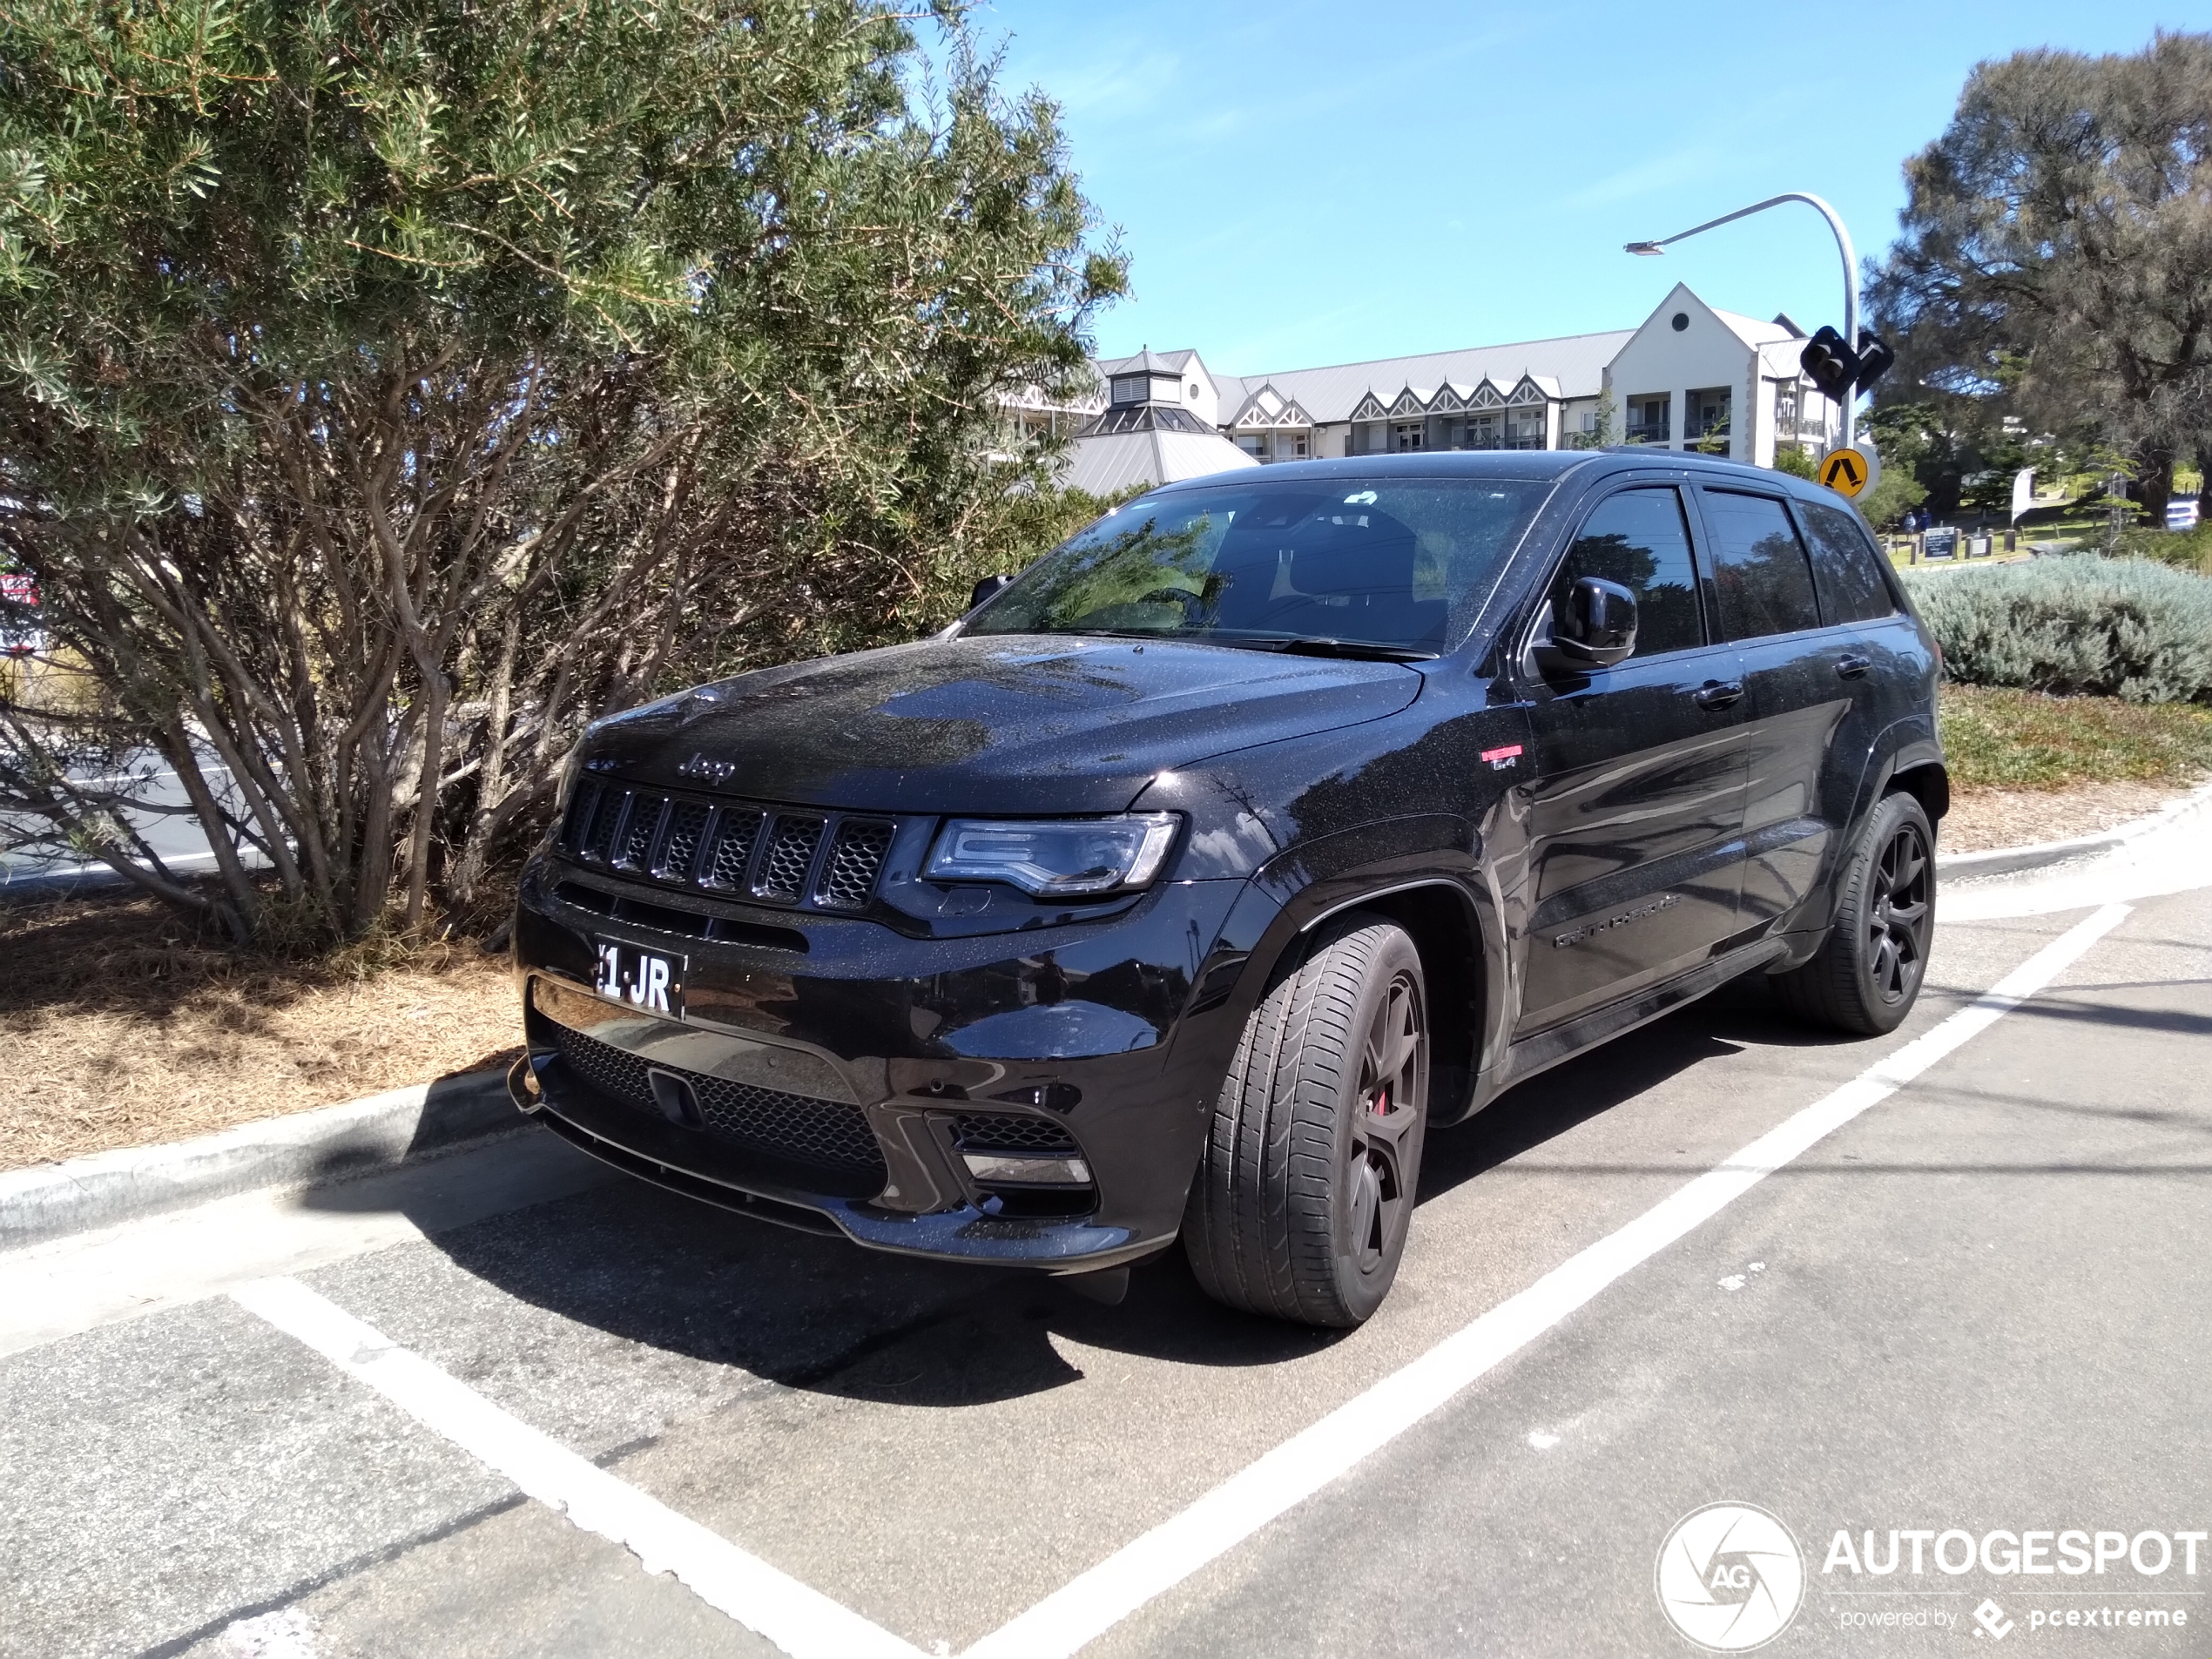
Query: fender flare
(1391, 864)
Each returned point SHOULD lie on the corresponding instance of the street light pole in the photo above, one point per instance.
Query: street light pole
(1843, 247)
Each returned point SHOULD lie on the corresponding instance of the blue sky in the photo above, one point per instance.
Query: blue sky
(1302, 183)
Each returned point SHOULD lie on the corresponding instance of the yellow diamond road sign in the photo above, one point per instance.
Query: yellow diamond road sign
(1851, 472)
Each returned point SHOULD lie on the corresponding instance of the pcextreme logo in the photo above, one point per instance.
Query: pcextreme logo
(1730, 1577)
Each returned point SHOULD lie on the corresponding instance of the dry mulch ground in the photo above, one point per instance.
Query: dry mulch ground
(1990, 817)
(120, 1028)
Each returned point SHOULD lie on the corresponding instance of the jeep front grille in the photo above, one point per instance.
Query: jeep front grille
(819, 860)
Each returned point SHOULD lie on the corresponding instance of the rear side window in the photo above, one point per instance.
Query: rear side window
(1637, 539)
(1845, 567)
(1759, 567)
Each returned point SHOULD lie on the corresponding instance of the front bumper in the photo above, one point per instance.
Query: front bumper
(900, 1092)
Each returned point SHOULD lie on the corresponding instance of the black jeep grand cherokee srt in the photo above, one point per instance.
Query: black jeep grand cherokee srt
(1273, 820)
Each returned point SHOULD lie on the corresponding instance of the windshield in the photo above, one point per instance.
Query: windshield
(1394, 568)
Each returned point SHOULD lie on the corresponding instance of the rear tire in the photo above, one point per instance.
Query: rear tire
(1305, 1192)
(1867, 974)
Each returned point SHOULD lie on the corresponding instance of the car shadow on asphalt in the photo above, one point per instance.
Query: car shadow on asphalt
(821, 1314)
(1741, 1014)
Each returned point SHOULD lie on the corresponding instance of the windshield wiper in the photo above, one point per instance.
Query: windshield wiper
(1288, 644)
(1311, 645)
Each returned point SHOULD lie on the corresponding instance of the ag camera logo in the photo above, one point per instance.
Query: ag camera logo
(1730, 1577)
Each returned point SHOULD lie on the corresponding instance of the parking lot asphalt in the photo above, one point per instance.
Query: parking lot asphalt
(1976, 1305)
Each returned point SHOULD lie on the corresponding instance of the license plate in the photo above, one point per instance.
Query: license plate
(643, 979)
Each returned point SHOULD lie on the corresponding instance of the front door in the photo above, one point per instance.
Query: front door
(1635, 806)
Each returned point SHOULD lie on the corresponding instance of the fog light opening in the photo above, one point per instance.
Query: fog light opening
(1008, 1169)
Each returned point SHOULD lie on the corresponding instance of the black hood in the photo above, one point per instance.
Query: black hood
(1008, 724)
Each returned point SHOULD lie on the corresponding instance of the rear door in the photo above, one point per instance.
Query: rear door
(1636, 798)
(1873, 646)
(1802, 675)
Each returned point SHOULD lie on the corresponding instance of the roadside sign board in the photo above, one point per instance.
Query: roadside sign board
(1940, 542)
(1851, 473)
(2182, 513)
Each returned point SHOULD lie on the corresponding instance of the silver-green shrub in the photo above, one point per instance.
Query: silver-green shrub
(2128, 628)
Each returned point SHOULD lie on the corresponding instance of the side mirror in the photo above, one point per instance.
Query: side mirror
(986, 588)
(1596, 629)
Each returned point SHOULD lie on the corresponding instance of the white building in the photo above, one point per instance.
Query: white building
(1691, 376)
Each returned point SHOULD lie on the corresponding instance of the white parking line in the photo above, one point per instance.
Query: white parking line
(806, 1623)
(1233, 1511)
(802, 1622)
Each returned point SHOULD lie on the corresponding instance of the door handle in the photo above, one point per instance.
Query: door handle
(1852, 667)
(1718, 694)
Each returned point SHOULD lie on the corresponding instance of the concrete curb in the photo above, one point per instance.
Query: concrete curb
(303, 1148)
(2006, 860)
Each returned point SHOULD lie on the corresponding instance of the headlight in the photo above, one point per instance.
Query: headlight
(1054, 858)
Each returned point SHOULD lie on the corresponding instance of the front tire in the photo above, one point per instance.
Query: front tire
(1305, 1192)
(1867, 974)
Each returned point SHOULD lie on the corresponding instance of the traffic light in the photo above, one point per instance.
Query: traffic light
(1831, 364)
(1874, 359)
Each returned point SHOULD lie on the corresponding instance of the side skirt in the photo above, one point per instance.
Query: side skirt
(1549, 1048)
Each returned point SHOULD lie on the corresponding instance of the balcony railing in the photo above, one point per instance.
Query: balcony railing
(1651, 432)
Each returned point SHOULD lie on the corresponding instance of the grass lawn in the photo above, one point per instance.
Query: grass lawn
(1998, 738)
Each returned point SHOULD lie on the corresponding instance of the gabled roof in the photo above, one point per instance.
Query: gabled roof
(1570, 366)
(1267, 408)
(1749, 330)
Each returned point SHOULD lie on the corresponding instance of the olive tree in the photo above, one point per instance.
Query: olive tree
(388, 386)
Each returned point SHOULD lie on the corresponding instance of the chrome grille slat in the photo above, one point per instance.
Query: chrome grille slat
(640, 827)
(735, 832)
(855, 859)
(599, 832)
(679, 847)
(789, 857)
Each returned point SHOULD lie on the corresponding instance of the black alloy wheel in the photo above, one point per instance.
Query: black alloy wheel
(1304, 1194)
(1898, 920)
(1392, 1062)
(1866, 974)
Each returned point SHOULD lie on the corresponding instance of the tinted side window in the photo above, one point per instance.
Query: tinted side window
(1846, 567)
(1759, 567)
(1638, 539)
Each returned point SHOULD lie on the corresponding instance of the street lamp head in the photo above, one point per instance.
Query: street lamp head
(1646, 249)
